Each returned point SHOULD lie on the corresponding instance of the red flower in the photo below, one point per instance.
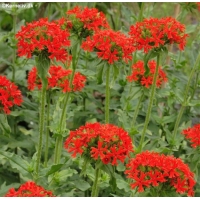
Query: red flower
(141, 182)
(151, 168)
(193, 134)
(99, 151)
(155, 33)
(90, 18)
(10, 95)
(29, 189)
(58, 77)
(138, 74)
(100, 141)
(34, 80)
(109, 45)
(43, 36)
(106, 160)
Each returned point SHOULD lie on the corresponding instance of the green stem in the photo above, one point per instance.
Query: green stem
(152, 94)
(107, 103)
(141, 12)
(137, 109)
(47, 130)
(13, 76)
(41, 126)
(59, 139)
(14, 49)
(185, 97)
(95, 185)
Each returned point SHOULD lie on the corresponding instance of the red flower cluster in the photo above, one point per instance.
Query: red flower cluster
(151, 169)
(106, 142)
(29, 189)
(90, 18)
(43, 36)
(58, 77)
(193, 134)
(154, 33)
(109, 45)
(138, 74)
(9, 95)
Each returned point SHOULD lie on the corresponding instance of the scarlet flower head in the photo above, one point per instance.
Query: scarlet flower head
(139, 74)
(10, 95)
(106, 142)
(43, 37)
(155, 33)
(29, 189)
(152, 169)
(109, 45)
(193, 135)
(58, 77)
(86, 20)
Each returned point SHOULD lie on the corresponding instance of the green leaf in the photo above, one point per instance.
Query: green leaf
(100, 74)
(123, 118)
(16, 113)
(120, 167)
(64, 174)
(190, 28)
(25, 131)
(113, 183)
(4, 126)
(115, 75)
(82, 185)
(110, 170)
(2, 60)
(169, 119)
(54, 168)
(194, 103)
(121, 184)
(16, 161)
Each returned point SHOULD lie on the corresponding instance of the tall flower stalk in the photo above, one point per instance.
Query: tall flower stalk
(41, 127)
(43, 64)
(148, 114)
(184, 103)
(47, 128)
(107, 101)
(59, 139)
(45, 40)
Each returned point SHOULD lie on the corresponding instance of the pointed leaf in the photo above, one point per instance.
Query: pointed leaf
(4, 126)
(54, 168)
(82, 185)
(16, 161)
